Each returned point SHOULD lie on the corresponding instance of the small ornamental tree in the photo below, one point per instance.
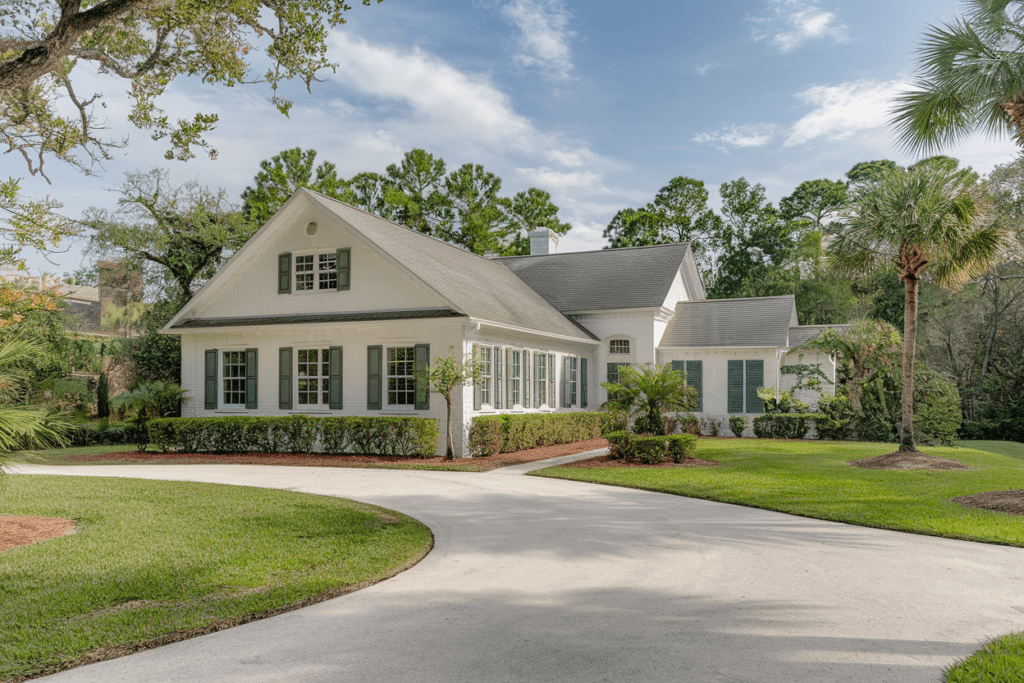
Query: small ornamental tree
(442, 376)
(646, 392)
(103, 397)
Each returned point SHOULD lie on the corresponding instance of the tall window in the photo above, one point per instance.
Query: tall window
(401, 375)
(314, 372)
(316, 271)
(514, 376)
(616, 346)
(572, 380)
(613, 371)
(540, 379)
(485, 360)
(233, 382)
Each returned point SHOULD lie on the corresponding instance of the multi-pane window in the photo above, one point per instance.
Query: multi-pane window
(233, 378)
(617, 346)
(572, 380)
(328, 270)
(401, 376)
(613, 371)
(485, 360)
(314, 372)
(514, 377)
(316, 271)
(540, 378)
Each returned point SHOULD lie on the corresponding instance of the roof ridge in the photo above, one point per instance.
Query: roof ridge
(603, 250)
(738, 298)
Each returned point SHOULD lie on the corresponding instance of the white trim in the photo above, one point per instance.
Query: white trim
(539, 333)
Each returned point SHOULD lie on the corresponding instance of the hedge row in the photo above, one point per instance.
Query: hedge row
(407, 436)
(492, 434)
(783, 425)
(650, 450)
(102, 434)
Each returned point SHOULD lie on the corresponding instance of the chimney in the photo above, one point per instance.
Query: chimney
(542, 241)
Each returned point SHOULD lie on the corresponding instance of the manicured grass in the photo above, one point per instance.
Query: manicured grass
(152, 562)
(1010, 449)
(812, 479)
(1000, 661)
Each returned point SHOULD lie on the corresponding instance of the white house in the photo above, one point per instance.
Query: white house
(328, 310)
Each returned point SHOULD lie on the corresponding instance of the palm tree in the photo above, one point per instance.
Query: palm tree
(647, 391)
(971, 74)
(22, 427)
(928, 221)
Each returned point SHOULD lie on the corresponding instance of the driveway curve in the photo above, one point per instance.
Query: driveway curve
(537, 580)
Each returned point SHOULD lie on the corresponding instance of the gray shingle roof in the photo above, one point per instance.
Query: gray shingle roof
(804, 333)
(476, 286)
(305, 319)
(756, 322)
(638, 277)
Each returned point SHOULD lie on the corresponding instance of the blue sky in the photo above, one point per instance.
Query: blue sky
(599, 103)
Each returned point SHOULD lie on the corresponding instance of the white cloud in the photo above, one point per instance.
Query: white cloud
(748, 135)
(843, 110)
(788, 24)
(544, 35)
(555, 181)
(703, 69)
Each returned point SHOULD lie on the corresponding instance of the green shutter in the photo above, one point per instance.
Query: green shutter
(524, 369)
(499, 386)
(211, 380)
(284, 273)
(573, 378)
(565, 381)
(374, 381)
(335, 377)
(755, 380)
(551, 381)
(695, 379)
(537, 380)
(251, 367)
(422, 384)
(583, 382)
(735, 386)
(344, 265)
(284, 374)
(478, 390)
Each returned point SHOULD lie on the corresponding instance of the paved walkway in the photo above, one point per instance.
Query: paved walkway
(539, 580)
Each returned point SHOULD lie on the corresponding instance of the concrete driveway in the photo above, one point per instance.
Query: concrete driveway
(540, 580)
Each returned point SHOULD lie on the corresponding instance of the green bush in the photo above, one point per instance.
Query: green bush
(835, 414)
(688, 423)
(405, 436)
(937, 415)
(681, 446)
(647, 450)
(492, 434)
(103, 397)
(782, 425)
(102, 434)
(618, 444)
(738, 423)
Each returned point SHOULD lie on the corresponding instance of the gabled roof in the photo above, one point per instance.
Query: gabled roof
(637, 277)
(805, 333)
(755, 322)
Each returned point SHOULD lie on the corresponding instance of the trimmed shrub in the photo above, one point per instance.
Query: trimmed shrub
(782, 425)
(835, 414)
(492, 434)
(681, 446)
(102, 434)
(738, 423)
(648, 450)
(689, 424)
(710, 426)
(937, 415)
(619, 443)
(405, 436)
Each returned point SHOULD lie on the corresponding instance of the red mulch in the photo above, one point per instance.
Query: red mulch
(26, 529)
(1010, 502)
(909, 461)
(317, 460)
(605, 461)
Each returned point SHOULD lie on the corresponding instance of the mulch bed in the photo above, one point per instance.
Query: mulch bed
(316, 460)
(605, 461)
(1010, 502)
(26, 529)
(909, 461)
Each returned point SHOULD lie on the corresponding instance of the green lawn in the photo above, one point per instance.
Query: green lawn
(1000, 661)
(812, 479)
(152, 562)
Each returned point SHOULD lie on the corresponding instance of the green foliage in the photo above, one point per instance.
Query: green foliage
(148, 401)
(710, 426)
(443, 375)
(783, 403)
(651, 449)
(284, 173)
(23, 428)
(103, 433)
(36, 314)
(835, 414)
(937, 415)
(870, 171)
(24, 222)
(155, 357)
(395, 436)
(815, 201)
(492, 434)
(103, 397)
(738, 424)
(998, 661)
(783, 425)
(645, 392)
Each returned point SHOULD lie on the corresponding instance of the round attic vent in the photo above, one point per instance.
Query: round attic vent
(311, 228)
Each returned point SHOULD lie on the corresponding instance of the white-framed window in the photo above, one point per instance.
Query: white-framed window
(485, 359)
(514, 378)
(618, 346)
(540, 379)
(401, 376)
(316, 271)
(233, 378)
(313, 377)
(573, 364)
